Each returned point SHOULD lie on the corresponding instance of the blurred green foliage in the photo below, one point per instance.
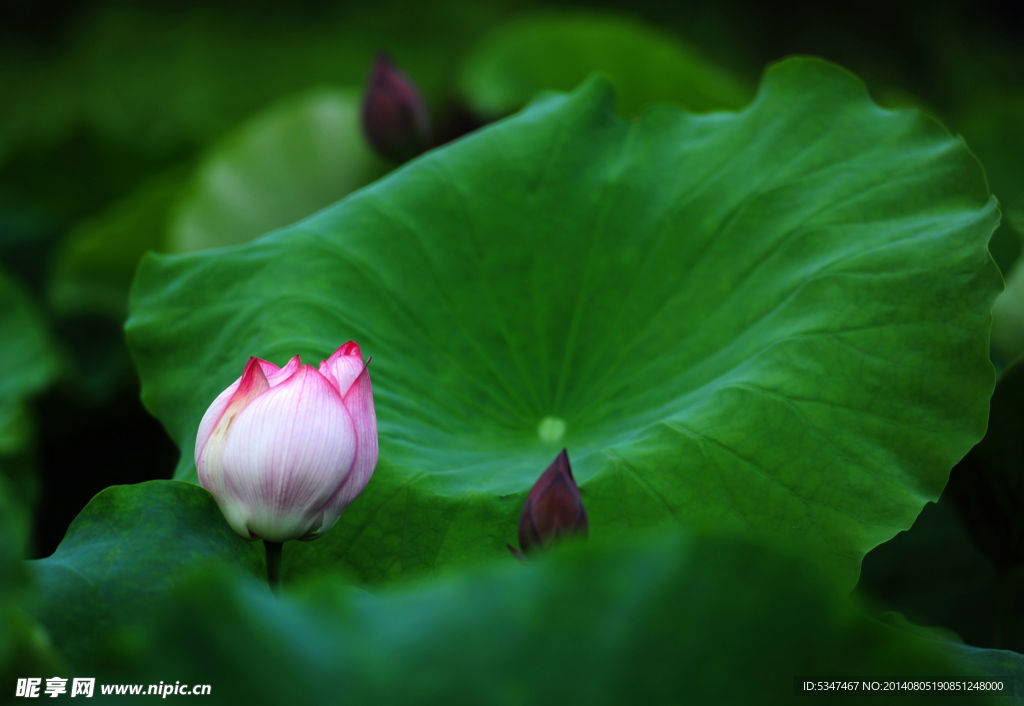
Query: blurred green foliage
(279, 167)
(537, 53)
(94, 264)
(28, 363)
(654, 619)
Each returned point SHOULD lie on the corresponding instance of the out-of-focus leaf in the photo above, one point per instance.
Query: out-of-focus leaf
(982, 97)
(13, 520)
(94, 266)
(509, 66)
(670, 620)
(24, 646)
(283, 165)
(28, 362)
(1008, 318)
(991, 124)
(160, 82)
(286, 163)
(773, 321)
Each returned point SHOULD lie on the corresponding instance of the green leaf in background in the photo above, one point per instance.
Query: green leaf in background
(160, 82)
(991, 120)
(284, 164)
(985, 101)
(1008, 319)
(668, 620)
(993, 127)
(129, 547)
(292, 159)
(93, 268)
(513, 63)
(774, 321)
(28, 362)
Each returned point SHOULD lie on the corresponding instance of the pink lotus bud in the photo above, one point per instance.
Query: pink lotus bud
(553, 508)
(395, 118)
(285, 450)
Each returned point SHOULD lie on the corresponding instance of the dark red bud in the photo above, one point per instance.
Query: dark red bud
(553, 508)
(395, 118)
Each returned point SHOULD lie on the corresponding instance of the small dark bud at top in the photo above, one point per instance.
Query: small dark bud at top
(553, 508)
(394, 116)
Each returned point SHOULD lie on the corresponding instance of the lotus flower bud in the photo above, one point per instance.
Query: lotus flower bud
(395, 118)
(285, 450)
(553, 508)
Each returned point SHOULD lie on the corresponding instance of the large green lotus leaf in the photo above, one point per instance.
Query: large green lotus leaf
(28, 362)
(130, 546)
(774, 321)
(669, 620)
(287, 162)
(555, 51)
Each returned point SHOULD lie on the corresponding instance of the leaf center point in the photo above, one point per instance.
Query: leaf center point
(551, 430)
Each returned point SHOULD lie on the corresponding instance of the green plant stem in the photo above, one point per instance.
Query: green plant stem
(273, 563)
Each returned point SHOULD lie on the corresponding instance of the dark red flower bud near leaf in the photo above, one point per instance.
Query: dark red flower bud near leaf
(395, 118)
(553, 508)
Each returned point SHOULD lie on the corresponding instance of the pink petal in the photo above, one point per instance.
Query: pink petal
(212, 416)
(359, 402)
(273, 375)
(218, 419)
(276, 375)
(287, 454)
(343, 367)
